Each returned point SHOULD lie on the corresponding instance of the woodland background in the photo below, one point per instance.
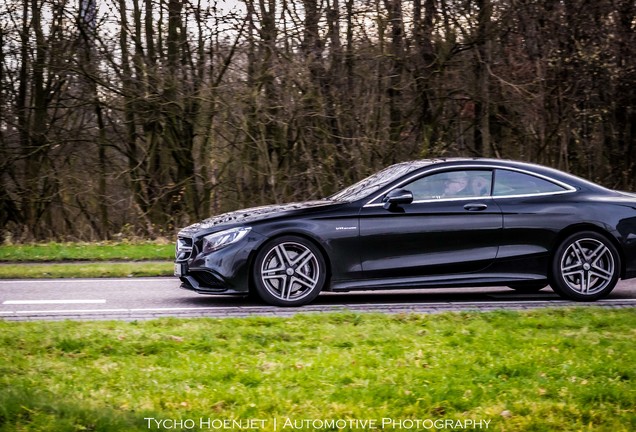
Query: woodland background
(123, 118)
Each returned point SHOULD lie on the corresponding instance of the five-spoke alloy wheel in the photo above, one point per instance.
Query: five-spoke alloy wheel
(586, 267)
(289, 271)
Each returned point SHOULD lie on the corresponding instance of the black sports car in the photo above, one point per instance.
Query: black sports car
(422, 224)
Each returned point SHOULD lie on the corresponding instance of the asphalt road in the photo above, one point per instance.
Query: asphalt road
(147, 298)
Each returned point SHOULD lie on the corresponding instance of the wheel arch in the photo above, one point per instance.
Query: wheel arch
(573, 229)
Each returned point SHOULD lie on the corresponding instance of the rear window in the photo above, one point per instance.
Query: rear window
(516, 183)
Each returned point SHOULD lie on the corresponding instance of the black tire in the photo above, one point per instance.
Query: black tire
(586, 267)
(289, 271)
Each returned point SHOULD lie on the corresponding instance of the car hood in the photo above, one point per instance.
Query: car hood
(250, 215)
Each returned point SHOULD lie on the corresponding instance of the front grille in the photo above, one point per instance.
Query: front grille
(183, 250)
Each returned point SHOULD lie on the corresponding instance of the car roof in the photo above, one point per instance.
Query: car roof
(508, 163)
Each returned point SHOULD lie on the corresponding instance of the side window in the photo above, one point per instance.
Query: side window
(451, 184)
(516, 183)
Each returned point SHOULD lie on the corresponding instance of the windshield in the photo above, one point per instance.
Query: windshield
(376, 181)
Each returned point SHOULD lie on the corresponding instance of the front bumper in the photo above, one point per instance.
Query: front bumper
(190, 283)
(224, 271)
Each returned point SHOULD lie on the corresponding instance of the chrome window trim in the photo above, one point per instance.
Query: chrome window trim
(568, 188)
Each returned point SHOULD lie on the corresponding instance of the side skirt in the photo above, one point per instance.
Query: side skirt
(446, 281)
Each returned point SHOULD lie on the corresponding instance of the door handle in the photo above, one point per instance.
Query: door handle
(475, 207)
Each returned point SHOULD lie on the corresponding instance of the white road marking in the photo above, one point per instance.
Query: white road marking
(51, 302)
(82, 311)
(68, 311)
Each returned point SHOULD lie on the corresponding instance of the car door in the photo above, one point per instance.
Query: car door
(451, 226)
(534, 210)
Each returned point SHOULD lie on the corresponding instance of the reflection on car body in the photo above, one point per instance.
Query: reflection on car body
(422, 224)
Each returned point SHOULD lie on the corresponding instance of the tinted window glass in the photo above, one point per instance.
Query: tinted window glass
(451, 184)
(376, 181)
(516, 183)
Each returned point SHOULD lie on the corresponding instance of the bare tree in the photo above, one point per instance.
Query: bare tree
(140, 116)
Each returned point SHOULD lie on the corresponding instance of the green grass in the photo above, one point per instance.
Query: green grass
(69, 260)
(104, 251)
(86, 270)
(565, 370)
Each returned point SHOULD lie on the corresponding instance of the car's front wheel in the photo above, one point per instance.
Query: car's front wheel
(289, 271)
(586, 267)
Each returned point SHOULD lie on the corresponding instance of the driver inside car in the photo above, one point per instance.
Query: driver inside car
(457, 184)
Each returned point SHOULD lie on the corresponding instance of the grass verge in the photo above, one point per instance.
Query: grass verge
(566, 370)
(104, 251)
(94, 260)
(86, 270)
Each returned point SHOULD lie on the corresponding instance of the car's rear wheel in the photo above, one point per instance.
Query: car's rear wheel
(289, 271)
(586, 267)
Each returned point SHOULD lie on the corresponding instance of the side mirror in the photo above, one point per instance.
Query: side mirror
(397, 197)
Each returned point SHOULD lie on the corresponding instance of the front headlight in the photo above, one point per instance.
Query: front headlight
(216, 241)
